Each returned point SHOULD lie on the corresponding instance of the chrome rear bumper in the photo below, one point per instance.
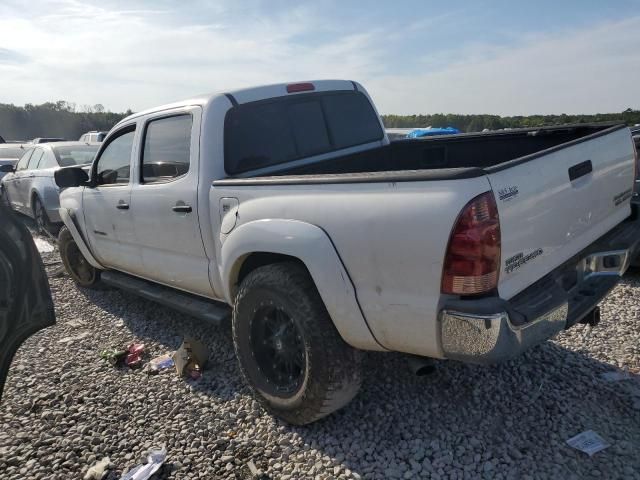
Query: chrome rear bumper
(492, 330)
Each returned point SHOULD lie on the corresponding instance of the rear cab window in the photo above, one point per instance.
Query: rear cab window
(275, 131)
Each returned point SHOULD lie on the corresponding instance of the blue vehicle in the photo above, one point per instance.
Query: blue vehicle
(430, 132)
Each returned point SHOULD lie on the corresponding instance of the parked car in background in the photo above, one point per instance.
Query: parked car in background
(10, 153)
(289, 204)
(48, 140)
(30, 187)
(93, 136)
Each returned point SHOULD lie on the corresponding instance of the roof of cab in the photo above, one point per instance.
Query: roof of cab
(249, 94)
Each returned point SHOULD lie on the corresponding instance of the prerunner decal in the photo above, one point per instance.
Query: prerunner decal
(519, 259)
(623, 196)
(507, 193)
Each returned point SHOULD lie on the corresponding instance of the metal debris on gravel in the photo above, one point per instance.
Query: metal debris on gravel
(64, 409)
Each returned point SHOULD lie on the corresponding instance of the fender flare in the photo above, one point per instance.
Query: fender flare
(313, 247)
(77, 237)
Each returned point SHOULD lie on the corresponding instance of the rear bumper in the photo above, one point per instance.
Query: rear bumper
(491, 330)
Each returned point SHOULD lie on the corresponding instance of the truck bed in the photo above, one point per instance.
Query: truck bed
(467, 151)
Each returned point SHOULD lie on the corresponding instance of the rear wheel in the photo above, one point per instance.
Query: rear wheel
(289, 351)
(80, 270)
(44, 225)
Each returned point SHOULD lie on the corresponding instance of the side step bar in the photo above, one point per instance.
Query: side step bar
(209, 310)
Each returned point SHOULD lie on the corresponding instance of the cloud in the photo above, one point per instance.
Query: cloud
(590, 70)
(154, 53)
(139, 58)
(11, 57)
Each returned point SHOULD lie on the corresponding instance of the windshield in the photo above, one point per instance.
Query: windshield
(264, 133)
(11, 152)
(75, 155)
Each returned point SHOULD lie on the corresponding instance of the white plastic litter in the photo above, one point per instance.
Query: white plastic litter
(155, 459)
(588, 442)
(97, 471)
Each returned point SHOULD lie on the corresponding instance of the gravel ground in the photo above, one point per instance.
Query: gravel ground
(64, 408)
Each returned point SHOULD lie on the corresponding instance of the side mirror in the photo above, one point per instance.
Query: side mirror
(71, 177)
(8, 168)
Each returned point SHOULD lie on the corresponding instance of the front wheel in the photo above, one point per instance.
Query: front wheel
(289, 351)
(81, 271)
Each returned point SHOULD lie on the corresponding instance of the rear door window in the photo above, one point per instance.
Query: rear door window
(264, 133)
(35, 159)
(167, 149)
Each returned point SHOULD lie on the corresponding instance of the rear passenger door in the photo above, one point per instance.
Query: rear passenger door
(164, 202)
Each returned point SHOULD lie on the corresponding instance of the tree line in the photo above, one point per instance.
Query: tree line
(67, 120)
(477, 123)
(54, 119)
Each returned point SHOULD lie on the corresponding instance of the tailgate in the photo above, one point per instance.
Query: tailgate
(555, 203)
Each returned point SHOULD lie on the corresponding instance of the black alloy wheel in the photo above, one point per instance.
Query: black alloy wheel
(278, 348)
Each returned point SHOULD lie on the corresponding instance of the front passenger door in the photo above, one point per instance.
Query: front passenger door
(11, 182)
(106, 204)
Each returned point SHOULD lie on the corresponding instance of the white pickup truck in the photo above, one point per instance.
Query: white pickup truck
(288, 204)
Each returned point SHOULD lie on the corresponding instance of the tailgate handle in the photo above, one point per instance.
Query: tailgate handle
(580, 170)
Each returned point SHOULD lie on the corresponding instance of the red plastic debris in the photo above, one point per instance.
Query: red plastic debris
(134, 355)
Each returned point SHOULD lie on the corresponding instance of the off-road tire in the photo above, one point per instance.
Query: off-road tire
(333, 369)
(67, 246)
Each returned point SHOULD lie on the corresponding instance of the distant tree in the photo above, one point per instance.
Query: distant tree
(476, 123)
(54, 119)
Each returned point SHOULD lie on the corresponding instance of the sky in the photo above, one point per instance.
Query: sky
(498, 57)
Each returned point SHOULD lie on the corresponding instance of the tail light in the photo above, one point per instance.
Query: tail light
(472, 261)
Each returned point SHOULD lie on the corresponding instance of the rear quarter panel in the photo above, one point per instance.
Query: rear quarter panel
(45, 187)
(391, 238)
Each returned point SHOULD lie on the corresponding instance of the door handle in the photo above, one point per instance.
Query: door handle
(181, 208)
(122, 205)
(580, 170)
